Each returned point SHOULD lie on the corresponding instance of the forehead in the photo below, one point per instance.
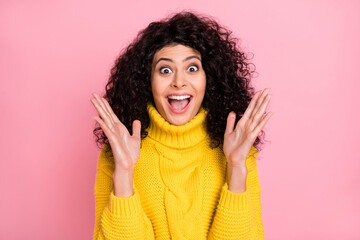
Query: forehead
(176, 52)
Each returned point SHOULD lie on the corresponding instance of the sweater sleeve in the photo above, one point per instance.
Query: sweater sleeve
(117, 217)
(238, 215)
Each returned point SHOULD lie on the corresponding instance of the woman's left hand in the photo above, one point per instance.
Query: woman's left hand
(238, 141)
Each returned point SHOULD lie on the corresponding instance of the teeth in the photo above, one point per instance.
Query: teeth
(179, 97)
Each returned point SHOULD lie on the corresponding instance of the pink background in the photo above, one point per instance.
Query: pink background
(54, 55)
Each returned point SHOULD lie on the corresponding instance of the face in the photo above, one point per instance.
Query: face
(178, 83)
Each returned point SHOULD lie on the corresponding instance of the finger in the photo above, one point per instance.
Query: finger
(249, 110)
(136, 128)
(101, 112)
(101, 103)
(106, 130)
(262, 123)
(113, 117)
(111, 112)
(259, 102)
(230, 123)
(262, 109)
(251, 106)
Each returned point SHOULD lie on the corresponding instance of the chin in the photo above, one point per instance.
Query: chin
(179, 120)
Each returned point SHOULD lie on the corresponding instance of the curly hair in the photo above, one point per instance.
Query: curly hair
(228, 73)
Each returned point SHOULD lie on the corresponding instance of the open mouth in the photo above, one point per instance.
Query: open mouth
(179, 105)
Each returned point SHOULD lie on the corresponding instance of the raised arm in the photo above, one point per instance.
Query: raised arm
(119, 214)
(238, 215)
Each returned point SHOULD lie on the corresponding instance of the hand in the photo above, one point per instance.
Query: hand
(125, 148)
(238, 141)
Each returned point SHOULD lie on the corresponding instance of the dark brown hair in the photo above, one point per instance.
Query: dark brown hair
(228, 73)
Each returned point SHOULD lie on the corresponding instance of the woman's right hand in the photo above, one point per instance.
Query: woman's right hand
(125, 148)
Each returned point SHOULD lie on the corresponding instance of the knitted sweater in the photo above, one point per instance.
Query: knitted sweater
(180, 189)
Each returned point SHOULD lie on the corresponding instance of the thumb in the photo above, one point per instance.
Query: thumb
(136, 128)
(230, 122)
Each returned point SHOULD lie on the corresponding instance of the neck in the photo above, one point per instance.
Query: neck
(176, 136)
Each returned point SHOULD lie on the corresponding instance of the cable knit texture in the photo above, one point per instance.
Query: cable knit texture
(180, 189)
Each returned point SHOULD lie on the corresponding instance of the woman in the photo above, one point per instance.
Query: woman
(188, 169)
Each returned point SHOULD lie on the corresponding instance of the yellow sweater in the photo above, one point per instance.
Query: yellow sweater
(180, 189)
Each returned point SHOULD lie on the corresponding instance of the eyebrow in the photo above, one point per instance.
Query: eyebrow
(168, 59)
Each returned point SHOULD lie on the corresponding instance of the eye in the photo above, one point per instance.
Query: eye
(192, 66)
(161, 70)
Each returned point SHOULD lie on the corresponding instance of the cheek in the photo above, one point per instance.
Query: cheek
(201, 85)
(156, 88)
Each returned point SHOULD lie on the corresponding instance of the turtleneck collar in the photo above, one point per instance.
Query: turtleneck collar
(176, 136)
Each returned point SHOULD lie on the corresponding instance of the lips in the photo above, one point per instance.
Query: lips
(178, 94)
(179, 110)
(188, 99)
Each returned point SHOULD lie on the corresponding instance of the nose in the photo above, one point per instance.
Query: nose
(178, 81)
